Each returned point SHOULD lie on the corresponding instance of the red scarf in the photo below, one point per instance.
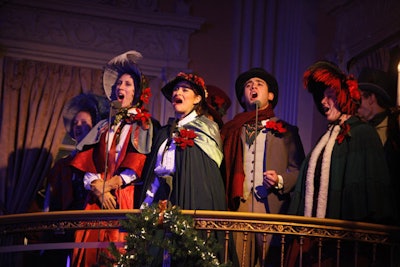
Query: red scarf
(233, 151)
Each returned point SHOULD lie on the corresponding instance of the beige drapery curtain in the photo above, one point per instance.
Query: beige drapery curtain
(32, 97)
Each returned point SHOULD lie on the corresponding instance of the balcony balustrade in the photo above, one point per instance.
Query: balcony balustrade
(16, 229)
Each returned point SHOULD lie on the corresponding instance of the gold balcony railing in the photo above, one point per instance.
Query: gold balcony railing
(15, 230)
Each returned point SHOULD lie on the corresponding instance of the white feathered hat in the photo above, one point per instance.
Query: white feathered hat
(125, 63)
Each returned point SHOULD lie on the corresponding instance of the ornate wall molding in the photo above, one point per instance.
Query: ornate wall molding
(88, 33)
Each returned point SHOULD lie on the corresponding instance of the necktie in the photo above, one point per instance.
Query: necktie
(250, 130)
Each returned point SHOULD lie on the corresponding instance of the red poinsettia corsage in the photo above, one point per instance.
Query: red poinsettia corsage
(185, 138)
(145, 96)
(275, 127)
(344, 133)
(142, 117)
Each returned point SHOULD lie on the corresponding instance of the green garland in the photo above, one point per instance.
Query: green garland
(159, 232)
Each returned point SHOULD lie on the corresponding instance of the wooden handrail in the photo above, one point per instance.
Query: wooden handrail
(207, 220)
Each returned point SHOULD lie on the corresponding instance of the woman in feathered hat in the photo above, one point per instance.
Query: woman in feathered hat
(184, 164)
(112, 156)
(345, 175)
(64, 190)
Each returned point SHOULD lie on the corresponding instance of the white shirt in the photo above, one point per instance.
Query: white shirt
(127, 175)
(166, 155)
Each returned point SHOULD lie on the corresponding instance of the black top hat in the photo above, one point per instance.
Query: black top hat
(259, 73)
(377, 82)
(196, 81)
